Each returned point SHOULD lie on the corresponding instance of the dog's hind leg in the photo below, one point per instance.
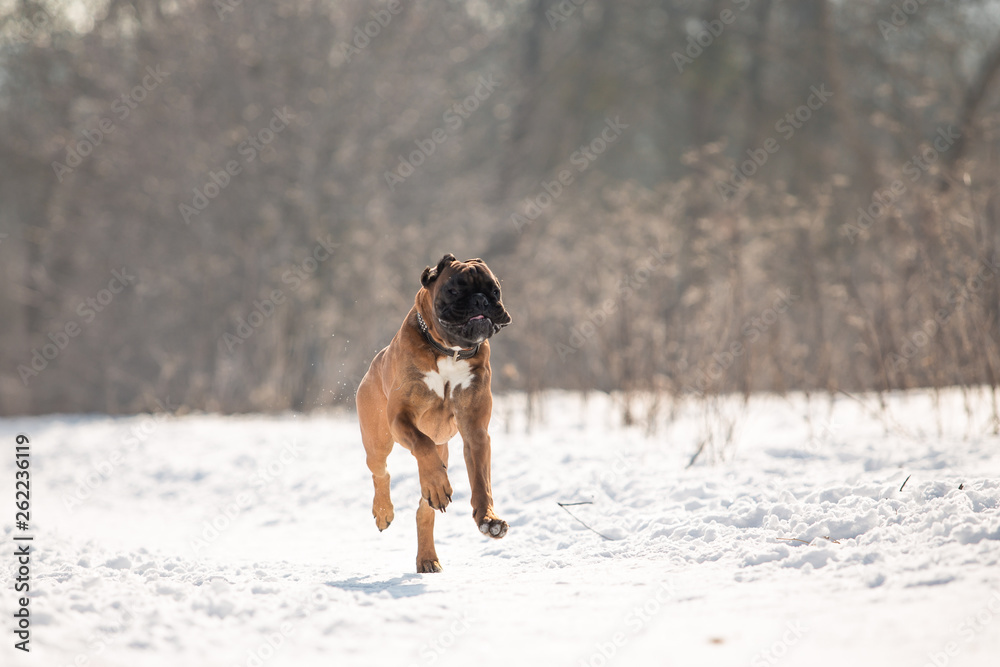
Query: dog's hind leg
(427, 559)
(381, 503)
(378, 443)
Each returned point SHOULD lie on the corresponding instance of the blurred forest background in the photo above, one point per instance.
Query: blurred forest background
(684, 197)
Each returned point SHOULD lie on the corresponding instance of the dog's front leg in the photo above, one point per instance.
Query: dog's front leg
(434, 485)
(476, 440)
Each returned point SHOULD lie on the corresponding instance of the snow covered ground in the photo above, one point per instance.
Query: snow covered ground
(224, 541)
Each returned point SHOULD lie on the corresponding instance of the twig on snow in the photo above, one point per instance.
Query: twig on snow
(795, 539)
(565, 505)
(694, 457)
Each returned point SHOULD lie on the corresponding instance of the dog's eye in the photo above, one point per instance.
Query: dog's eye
(452, 291)
(496, 293)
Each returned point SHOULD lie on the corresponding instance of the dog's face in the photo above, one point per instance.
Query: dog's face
(465, 301)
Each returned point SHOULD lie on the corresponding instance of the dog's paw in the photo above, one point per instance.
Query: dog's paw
(383, 517)
(495, 528)
(435, 487)
(426, 566)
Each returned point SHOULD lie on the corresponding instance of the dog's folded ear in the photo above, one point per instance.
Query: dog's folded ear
(430, 274)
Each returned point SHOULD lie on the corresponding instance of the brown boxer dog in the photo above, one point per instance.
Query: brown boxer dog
(431, 382)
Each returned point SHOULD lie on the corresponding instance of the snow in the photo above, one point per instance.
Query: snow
(793, 544)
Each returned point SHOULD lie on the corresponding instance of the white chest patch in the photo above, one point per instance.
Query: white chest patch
(450, 374)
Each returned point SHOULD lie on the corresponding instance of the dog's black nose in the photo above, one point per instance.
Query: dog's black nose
(480, 302)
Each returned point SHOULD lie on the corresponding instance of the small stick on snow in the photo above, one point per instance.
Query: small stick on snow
(695, 456)
(795, 539)
(564, 505)
(905, 481)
